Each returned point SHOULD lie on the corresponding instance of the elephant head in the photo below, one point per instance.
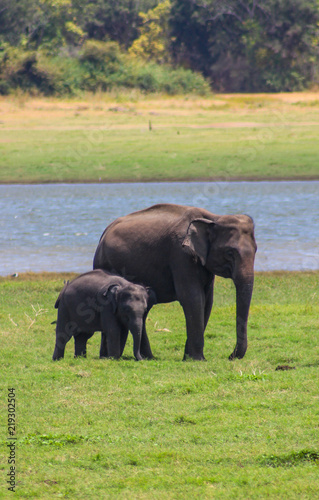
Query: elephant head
(226, 247)
(131, 303)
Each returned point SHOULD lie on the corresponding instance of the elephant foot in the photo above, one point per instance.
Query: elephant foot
(58, 354)
(146, 352)
(81, 355)
(237, 353)
(195, 357)
(148, 357)
(103, 352)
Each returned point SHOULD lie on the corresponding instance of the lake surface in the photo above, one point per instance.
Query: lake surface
(56, 227)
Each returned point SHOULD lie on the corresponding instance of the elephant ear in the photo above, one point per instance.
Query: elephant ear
(198, 238)
(111, 295)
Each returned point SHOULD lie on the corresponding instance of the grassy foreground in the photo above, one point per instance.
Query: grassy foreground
(90, 428)
(118, 137)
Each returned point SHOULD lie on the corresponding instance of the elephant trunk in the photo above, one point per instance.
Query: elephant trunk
(136, 330)
(244, 290)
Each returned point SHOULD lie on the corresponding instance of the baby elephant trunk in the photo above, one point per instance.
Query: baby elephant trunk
(136, 328)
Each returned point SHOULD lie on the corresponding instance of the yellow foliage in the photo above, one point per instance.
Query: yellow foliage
(152, 44)
(73, 28)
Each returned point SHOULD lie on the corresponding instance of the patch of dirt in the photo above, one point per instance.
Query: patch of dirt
(232, 125)
(251, 125)
(285, 367)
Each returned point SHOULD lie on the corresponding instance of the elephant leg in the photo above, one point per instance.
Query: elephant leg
(146, 350)
(186, 351)
(60, 343)
(124, 334)
(103, 347)
(112, 329)
(80, 341)
(193, 304)
(190, 292)
(104, 350)
(194, 346)
(209, 299)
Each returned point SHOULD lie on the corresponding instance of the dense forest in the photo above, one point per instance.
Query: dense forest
(173, 46)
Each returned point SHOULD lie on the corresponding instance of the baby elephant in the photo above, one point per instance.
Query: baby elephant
(101, 301)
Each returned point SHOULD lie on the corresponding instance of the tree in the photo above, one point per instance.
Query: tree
(14, 20)
(116, 20)
(47, 23)
(247, 45)
(153, 43)
(52, 24)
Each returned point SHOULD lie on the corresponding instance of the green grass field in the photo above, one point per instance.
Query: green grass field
(91, 428)
(136, 138)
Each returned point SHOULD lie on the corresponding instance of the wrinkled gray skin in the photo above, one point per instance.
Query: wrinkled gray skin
(101, 301)
(178, 250)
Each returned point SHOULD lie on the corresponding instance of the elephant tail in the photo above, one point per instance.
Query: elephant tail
(61, 295)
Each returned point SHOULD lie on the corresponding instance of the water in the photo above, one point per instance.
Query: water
(56, 227)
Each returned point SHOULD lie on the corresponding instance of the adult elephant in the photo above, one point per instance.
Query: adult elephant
(178, 250)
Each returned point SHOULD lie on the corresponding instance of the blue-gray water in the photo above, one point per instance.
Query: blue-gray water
(57, 227)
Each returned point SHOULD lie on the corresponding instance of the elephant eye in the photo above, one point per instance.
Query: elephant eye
(229, 253)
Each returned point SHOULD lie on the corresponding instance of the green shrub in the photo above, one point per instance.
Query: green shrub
(67, 71)
(101, 56)
(183, 81)
(98, 66)
(22, 69)
(4, 87)
(151, 77)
